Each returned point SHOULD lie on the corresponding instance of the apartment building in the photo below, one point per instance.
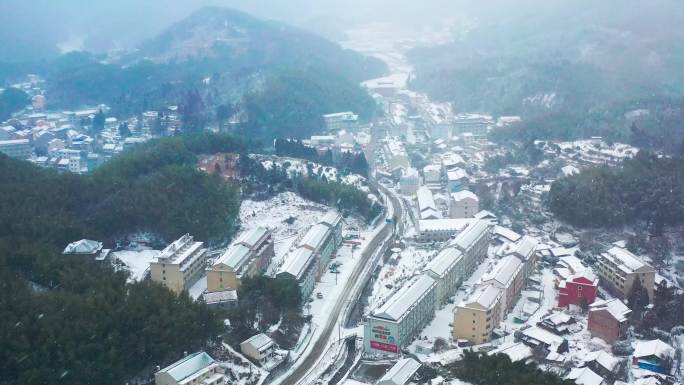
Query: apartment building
(440, 230)
(394, 324)
(618, 268)
(334, 222)
(300, 265)
(473, 243)
(525, 250)
(248, 256)
(16, 148)
(463, 204)
(319, 241)
(427, 208)
(507, 275)
(409, 181)
(447, 271)
(180, 264)
(476, 317)
(341, 121)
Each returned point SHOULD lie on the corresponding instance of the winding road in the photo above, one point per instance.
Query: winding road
(310, 359)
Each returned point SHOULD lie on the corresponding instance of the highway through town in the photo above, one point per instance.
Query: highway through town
(320, 344)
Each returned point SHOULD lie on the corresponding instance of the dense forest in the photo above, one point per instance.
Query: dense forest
(483, 369)
(647, 188)
(575, 69)
(68, 319)
(11, 101)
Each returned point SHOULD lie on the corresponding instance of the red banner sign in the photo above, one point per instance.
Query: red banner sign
(384, 347)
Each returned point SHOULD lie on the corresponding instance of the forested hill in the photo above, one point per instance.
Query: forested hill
(572, 69)
(646, 188)
(277, 78)
(70, 319)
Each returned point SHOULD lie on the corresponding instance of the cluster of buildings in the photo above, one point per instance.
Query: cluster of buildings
(311, 257)
(65, 140)
(394, 324)
(480, 313)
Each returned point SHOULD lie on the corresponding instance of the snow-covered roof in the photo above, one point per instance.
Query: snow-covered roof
(655, 348)
(560, 252)
(602, 358)
(220, 296)
(484, 214)
(399, 304)
(444, 224)
(468, 237)
(429, 214)
(515, 351)
(456, 174)
(297, 262)
(331, 219)
(315, 237)
(484, 297)
(401, 372)
(425, 199)
(584, 376)
(558, 318)
(542, 335)
(506, 233)
(234, 257)
(504, 272)
(525, 248)
(84, 246)
(432, 168)
(251, 238)
(444, 261)
(188, 366)
(570, 170)
(572, 263)
(259, 342)
(464, 194)
(614, 306)
(181, 251)
(625, 260)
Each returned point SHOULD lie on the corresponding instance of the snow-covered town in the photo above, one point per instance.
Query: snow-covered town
(410, 247)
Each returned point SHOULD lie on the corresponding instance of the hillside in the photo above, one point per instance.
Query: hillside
(575, 69)
(230, 59)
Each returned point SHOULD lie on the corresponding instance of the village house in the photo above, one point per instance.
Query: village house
(196, 368)
(608, 320)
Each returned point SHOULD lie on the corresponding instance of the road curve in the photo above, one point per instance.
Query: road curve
(321, 343)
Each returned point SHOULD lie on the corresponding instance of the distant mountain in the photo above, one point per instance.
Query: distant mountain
(282, 78)
(236, 39)
(576, 67)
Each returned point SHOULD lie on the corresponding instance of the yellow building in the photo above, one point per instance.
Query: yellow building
(248, 256)
(180, 264)
(478, 315)
(619, 268)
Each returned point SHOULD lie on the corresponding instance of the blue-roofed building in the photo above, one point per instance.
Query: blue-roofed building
(196, 368)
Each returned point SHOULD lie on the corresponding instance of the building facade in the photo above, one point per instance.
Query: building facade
(394, 324)
(446, 268)
(463, 204)
(476, 317)
(618, 268)
(608, 320)
(180, 264)
(17, 148)
(578, 289)
(248, 256)
(473, 243)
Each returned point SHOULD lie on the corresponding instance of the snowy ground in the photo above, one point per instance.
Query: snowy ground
(274, 213)
(136, 262)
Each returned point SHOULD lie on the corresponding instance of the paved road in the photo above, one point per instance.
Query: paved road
(321, 343)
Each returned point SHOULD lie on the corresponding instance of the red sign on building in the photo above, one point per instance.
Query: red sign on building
(384, 347)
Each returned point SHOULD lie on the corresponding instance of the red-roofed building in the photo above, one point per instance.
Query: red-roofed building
(576, 288)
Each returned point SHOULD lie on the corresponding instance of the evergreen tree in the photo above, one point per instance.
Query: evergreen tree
(99, 121)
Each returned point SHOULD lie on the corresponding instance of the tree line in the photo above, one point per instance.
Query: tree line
(647, 188)
(347, 162)
(70, 319)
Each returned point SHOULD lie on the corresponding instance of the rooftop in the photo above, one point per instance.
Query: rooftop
(525, 247)
(444, 224)
(656, 348)
(331, 218)
(315, 236)
(401, 302)
(251, 238)
(602, 358)
(506, 233)
(464, 194)
(444, 260)
(504, 272)
(220, 296)
(402, 371)
(188, 366)
(614, 306)
(484, 297)
(425, 199)
(297, 262)
(260, 342)
(84, 246)
(584, 376)
(625, 260)
(234, 257)
(468, 237)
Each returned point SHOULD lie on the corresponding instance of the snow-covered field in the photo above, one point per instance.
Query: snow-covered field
(136, 262)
